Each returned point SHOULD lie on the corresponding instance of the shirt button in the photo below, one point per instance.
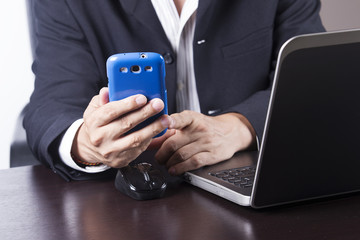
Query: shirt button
(180, 86)
(168, 58)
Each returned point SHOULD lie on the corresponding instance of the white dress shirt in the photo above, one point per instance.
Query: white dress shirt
(180, 32)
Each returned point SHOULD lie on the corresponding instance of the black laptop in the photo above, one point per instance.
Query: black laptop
(311, 142)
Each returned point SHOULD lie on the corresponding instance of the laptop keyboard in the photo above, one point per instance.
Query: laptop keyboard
(240, 177)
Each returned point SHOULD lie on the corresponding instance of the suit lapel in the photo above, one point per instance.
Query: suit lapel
(144, 12)
(129, 5)
(203, 18)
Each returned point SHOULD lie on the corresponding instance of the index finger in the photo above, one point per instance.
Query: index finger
(181, 120)
(113, 110)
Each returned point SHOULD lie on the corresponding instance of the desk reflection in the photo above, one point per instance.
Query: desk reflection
(37, 204)
(96, 210)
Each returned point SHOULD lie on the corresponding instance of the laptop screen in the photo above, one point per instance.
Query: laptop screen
(312, 143)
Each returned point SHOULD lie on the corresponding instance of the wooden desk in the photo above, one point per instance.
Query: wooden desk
(37, 204)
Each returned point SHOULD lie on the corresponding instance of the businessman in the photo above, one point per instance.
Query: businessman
(220, 58)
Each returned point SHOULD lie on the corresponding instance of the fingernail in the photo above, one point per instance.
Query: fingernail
(101, 91)
(157, 105)
(165, 121)
(141, 100)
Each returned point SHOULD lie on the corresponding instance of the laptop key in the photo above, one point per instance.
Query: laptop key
(231, 180)
(239, 177)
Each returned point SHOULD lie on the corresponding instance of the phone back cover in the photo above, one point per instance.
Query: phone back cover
(149, 80)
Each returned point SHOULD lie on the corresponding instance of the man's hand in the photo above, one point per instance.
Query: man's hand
(201, 140)
(102, 137)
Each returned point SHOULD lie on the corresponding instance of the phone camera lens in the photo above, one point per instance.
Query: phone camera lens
(123, 69)
(143, 55)
(148, 68)
(135, 69)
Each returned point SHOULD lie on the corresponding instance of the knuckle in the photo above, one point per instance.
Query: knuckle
(111, 114)
(118, 163)
(156, 130)
(86, 114)
(126, 124)
(96, 140)
(201, 128)
(129, 102)
(112, 164)
(208, 141)
(89, 119)
(113, 158)
(197, 161)
(145, 113)
(186, 112)
(181, 155)
(105, 154)
(201, 125)
(136, 141)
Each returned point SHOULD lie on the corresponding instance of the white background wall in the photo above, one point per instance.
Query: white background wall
(340, 14)
(16, 78)
(15, 58)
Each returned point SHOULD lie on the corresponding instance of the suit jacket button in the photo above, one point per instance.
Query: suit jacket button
(168, 58)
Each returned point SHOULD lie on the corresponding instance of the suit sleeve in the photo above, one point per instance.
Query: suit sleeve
(293, 17)
(67, 77)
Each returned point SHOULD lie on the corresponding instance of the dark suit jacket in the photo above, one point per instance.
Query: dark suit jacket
(233, 67)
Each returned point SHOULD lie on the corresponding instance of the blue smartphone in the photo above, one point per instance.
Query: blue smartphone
(137, 73)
